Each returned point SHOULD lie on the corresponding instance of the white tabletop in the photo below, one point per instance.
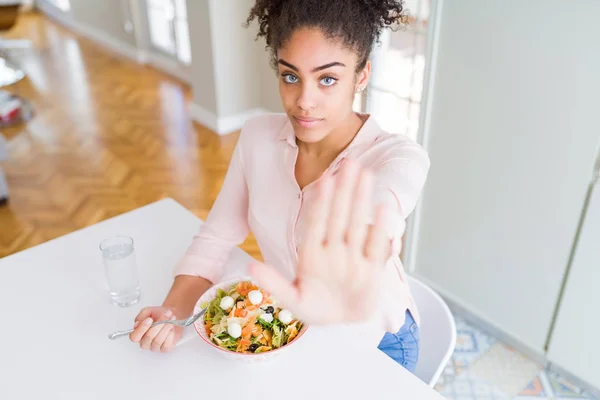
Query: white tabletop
(56, 316)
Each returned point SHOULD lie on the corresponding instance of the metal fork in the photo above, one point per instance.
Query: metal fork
(179, 322)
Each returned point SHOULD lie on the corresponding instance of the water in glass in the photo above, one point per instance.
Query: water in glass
(121, 270)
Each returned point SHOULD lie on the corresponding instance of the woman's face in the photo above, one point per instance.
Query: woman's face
(317, 83)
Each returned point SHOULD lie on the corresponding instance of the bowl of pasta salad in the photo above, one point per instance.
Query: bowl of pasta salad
(243, 322)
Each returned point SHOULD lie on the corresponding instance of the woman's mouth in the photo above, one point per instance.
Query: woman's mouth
(306, 122)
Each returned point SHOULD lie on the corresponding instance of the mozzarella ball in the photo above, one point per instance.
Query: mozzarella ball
(255, 297)
(226, 302)
(235, 330)
(285, 316)
(266, 317)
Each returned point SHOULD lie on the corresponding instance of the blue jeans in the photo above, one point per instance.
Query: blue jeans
(403, 346)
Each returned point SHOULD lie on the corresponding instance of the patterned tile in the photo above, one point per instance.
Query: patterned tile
(535, 389)
(449, 373)
(471, 343)
(482, 368)
(509, 370)
(467, 387)
(561, 388)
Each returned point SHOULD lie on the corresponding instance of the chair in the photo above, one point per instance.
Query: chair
(437, 329)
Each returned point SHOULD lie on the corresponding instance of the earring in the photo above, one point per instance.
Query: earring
(360, 89)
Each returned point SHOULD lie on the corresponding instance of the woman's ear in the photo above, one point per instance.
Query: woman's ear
(363, 77)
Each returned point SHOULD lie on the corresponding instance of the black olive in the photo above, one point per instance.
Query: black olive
(253, 347)
(270, 310)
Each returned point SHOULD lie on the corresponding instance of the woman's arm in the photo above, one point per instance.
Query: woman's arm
(399, 181)
(398, 184)
(226, 225)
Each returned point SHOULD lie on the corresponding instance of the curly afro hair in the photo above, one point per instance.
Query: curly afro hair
(356, 23)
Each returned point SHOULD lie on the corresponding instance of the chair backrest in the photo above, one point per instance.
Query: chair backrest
(8, 15)
(437, 330)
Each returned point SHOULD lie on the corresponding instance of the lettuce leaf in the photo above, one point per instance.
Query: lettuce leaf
(216, 318)
(277, 336)
(264, 324)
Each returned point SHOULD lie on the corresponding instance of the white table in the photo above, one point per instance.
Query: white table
(65, 352)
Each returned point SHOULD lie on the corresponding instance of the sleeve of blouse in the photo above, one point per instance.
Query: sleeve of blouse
(226, 225)
(399, 181)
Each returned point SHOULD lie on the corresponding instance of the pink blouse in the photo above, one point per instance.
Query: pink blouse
(260, 194)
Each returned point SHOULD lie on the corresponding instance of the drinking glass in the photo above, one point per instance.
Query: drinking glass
(118, 255)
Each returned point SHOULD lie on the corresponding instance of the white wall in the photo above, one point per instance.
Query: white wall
(202, 71)
(231, 77)
(236, 62)
(512, 137)
(103, 23)
(269, 81)
(106, 18)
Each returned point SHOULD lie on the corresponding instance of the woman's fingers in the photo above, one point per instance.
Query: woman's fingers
(155, 338)
(273, 282)
(342, 201)
(141, 327)
(169, 342)
(377, 243)
(316, 229)
(146, 341)
(161, 336)
(359, 215)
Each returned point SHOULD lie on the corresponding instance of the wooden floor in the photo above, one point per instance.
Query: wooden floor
(108, 136)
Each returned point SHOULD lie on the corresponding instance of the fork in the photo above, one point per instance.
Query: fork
(179, 322)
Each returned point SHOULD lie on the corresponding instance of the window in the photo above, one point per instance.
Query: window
(64, 5)
(167, 20)
(394, 96)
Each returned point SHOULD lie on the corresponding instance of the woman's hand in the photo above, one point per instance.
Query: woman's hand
(341, 259)
(157, 338)
(179, 304)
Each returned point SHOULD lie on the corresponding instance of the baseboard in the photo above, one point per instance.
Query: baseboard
(472, 316)
(235, 122)
(123, 49)
(223, 125)
(203, 116)
(577, 381)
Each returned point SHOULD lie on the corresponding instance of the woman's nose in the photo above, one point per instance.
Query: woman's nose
(307, 99)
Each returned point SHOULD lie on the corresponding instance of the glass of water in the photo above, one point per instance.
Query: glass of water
(118, 255)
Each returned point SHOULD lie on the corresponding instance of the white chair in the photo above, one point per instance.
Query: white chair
(437, 329)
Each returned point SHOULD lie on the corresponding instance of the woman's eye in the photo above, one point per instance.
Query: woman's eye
(328, 81)
(289, 78)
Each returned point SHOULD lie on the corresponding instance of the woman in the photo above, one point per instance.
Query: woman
(324, 190)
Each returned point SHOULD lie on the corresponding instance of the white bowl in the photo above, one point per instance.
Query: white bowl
(207, 297)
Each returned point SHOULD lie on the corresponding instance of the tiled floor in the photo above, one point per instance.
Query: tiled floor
(483, 368)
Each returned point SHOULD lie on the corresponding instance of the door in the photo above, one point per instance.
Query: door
(574, 344)
(511, 158)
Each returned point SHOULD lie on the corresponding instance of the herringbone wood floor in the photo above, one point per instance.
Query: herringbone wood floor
(108, 136)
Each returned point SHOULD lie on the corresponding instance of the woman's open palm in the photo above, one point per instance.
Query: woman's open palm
(341, 257)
